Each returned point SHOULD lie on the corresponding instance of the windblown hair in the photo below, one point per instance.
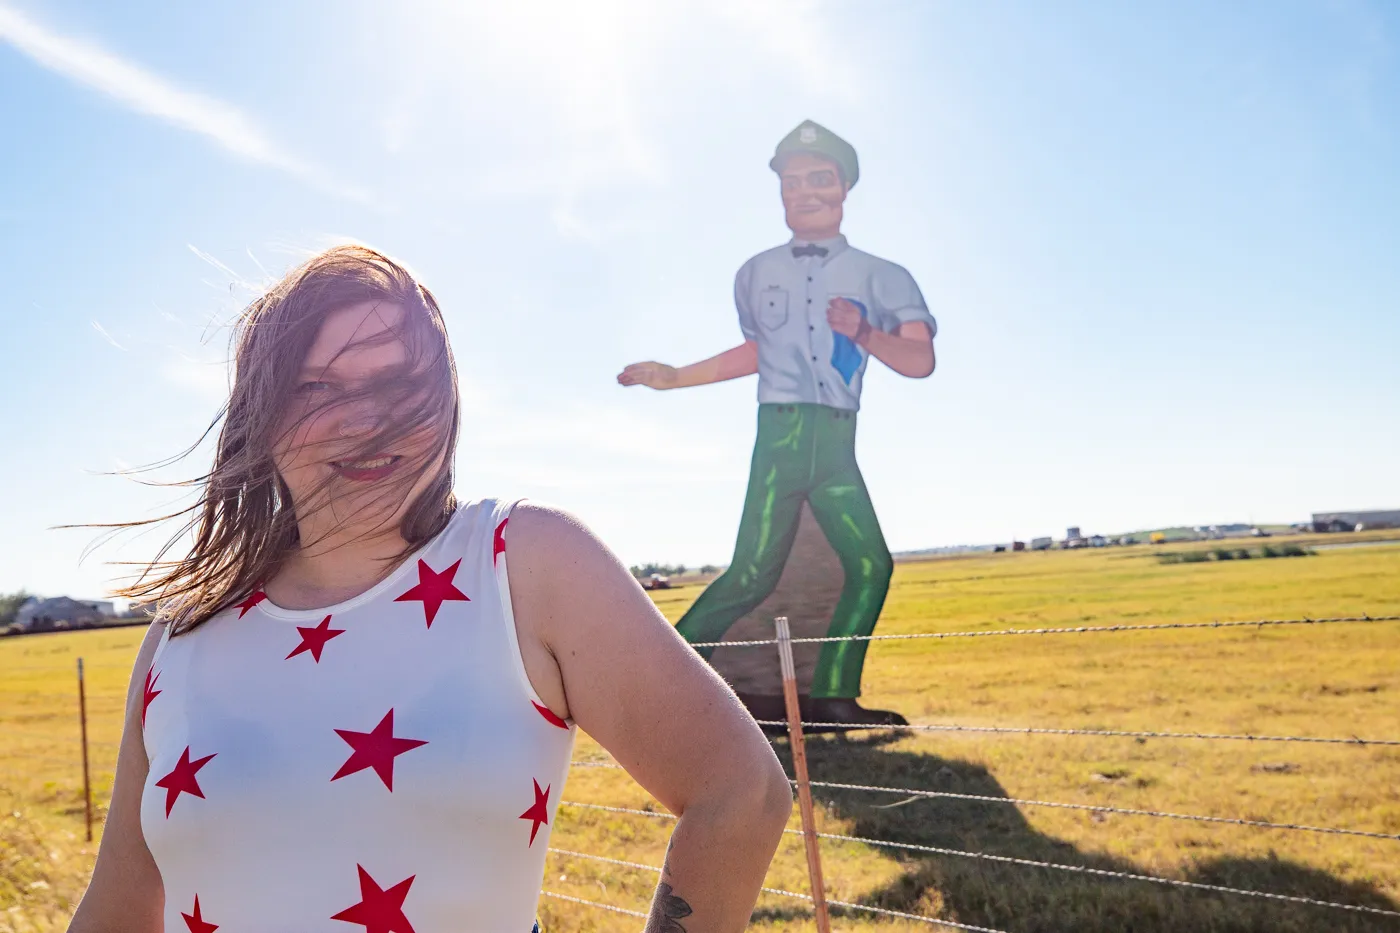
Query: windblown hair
(244, 521)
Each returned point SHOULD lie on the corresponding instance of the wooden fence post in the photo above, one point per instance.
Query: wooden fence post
(82, 717)
(799, 765)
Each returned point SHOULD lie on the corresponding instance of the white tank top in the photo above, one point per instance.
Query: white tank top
(377, 766)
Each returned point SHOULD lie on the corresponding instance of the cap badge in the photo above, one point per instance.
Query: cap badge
(808, 135)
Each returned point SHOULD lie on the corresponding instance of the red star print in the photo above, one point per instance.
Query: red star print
(498, 541)
(149, 693)
(182, 780)
(549, 716)
(380, 910)
(314, 639)
(538, 812)
(433, 589)
(376, 750)
(250, 602)
(196, 923)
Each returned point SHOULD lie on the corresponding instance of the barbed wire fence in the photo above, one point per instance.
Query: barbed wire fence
(815, 898)
(803, 785)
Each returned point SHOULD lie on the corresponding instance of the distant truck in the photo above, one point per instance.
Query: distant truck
(1158, 537)
(1041, 544)
(656, 582)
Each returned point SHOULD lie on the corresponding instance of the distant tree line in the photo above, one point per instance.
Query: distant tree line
(9, 605)
(642, 571)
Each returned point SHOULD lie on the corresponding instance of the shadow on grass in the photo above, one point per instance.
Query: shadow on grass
(1024, 899)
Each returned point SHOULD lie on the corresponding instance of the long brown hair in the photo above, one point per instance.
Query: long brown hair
(244, 522)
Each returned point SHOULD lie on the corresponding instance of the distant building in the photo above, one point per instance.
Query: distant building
(1098, 541)
(1040, 544)
(1355, 521)
(39, 615)
(1073, 532)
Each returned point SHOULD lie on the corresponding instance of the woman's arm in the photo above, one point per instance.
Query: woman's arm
(607, 658)
(125, 894)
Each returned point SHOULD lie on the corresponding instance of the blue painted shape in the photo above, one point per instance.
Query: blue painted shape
(845, 355)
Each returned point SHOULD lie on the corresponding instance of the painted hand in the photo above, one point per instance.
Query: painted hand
(651, 374)
(843, 317)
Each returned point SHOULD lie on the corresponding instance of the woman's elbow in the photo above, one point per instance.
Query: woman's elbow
(756, 795)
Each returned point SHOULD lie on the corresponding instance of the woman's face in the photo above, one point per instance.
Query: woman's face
(354, 383)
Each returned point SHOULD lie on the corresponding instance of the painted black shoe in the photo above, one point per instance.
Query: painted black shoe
(846, 713)
(766, 708)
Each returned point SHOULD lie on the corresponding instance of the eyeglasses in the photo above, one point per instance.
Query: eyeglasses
(819, 178)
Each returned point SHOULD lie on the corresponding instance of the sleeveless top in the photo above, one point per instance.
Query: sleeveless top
(377, 766)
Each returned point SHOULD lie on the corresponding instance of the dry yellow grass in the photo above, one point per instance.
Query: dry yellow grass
(1336, 680)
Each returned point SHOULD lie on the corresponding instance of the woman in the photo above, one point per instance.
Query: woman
(356, 707)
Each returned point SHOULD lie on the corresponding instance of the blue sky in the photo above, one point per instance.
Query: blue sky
(1161, 244)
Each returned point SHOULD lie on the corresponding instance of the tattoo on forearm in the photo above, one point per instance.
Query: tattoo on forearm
(667, 911)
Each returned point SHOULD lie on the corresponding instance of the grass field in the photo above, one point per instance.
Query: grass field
(1335, 680)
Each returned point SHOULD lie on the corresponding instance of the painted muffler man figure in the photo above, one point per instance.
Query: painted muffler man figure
(813, 311)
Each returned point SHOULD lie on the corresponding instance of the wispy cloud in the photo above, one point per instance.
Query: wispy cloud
(110, 339)
(91, 65)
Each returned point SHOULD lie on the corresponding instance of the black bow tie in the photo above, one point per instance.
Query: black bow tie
(811, 249)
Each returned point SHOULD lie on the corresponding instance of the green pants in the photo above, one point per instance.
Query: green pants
(804, 453)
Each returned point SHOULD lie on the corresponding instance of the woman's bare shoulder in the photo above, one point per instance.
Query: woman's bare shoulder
(541, 534)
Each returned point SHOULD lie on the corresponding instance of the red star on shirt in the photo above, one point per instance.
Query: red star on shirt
(433, 589)
(250, 602)
(538, 812)
(149, 693)
(379, 910)
(376, 750)
(196, 923)
(314, 639)
(498, 541)
(181, 780)
(549, 716)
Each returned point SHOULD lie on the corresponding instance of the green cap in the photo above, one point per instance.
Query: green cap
(816, 139)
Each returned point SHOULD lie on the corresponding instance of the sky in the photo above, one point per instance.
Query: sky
(1160, 241)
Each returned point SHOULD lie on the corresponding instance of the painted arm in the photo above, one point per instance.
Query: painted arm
(618, 669)
(731, 364)
(908, 351)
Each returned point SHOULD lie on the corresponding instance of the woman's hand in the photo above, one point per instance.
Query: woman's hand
(597, 650)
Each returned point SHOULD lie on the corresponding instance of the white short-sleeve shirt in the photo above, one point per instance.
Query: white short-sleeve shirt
(782, 301)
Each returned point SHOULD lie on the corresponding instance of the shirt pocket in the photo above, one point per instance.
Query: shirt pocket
(772, 308)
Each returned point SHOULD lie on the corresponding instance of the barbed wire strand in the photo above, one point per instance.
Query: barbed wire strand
(1106, 873)
(1080, 869)
(1067, 630)
(1095, 808)
(792, 894)
(1125, 811)
(51, 737)
(598, 806)
(75, 763)
(1120, 733)
(597, 764)
(578, 900)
